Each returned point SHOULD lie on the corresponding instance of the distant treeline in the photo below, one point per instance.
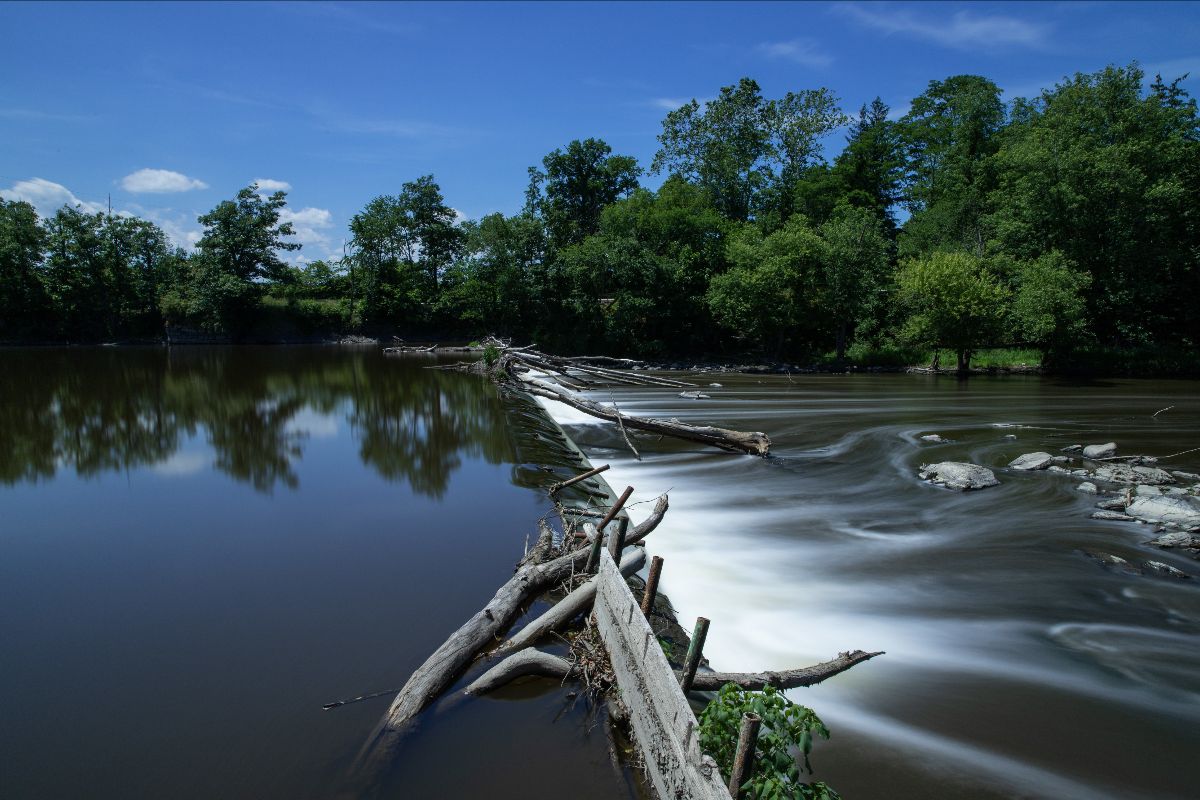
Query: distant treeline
(1067, 223)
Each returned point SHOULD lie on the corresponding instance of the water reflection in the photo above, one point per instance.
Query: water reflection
(100, 410)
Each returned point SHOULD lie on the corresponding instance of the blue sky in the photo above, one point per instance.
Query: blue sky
(170, 108)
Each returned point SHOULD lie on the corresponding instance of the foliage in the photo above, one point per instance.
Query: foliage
(787, 728)
(742, 145)
(575, 186)
(953, 301)
(1069, 222)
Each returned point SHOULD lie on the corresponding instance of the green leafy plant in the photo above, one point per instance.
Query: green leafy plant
(491, 354)
(787, 732)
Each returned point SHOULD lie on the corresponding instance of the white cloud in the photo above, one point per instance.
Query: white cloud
(802, 51)
(962, 30)
(309, 225)
(182, 464)
(160, 181)
(669, 103)
(272, 185)
(47, 196)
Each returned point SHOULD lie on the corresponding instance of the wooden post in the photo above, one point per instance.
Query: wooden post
(617, 543)
(591, 473)
(693, 654)
(616, 509)
(651, 586)
(743, 761)
(593, 562)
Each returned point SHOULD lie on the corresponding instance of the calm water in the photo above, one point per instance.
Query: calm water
(1015, 666)
(198, 548)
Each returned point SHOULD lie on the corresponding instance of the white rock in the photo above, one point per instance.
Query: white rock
(694, 395)
(933, 437)
(1010, 436)
(1147, 491)
(1071, 448)
(1181, 511)
(1100, 450)
(1120, 473)
(1186, 476)
(1087, 487)
(1032, 461)
(1114, 516)
(957, 475)
(1167, 569)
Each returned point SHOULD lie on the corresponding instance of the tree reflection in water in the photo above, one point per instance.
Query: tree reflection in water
(100, 409)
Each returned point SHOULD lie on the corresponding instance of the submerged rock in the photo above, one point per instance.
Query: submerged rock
(694, 395)
(1121, 473)
(933, 437)
(1176, 539)
(1186, 476)
(1087, 487)
(1032, 461)
(1115, 562)
(1100, 450)
(1072, 448)
(1167, 570)
(958, 475)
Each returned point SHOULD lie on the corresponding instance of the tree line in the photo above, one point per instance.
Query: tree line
(1068, 222)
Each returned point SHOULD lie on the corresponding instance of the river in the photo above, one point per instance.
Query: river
(1015, 665)
(202, 546)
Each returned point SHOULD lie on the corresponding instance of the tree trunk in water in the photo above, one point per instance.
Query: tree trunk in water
(964, 361)
(841, 343)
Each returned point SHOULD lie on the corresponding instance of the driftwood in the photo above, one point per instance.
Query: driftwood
(432, 678)
(567, 609)
(735, 441)
(787, 679)
(526, 662)
(583, 476)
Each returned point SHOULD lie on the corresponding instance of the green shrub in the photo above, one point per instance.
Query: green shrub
(786, 728)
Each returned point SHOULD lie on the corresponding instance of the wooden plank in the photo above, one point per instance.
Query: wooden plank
(662, 720)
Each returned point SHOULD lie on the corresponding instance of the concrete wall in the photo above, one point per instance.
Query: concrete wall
(662, 720)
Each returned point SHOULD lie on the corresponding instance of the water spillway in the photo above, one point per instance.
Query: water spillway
(1016, 665)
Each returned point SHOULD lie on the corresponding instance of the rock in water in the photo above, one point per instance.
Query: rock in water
(1114, 516)
(1120, 473)
(1072, 448)
(957, 475)
(935, 438)
(1032, 461)
(1100, 450)
(1179, 511)
(694, 395)
(1167, 570)
(1087, 487)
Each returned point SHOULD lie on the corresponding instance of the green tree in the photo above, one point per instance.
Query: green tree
(236, 257)
(575, 185)
(766, 296)
(950, 133)
(743, 147)
(1049, 307)
(857, 257)
(1108, 174)
(953, 301)
(75, 279)
(401, 246)
(503, 283)
(23, 301)
(871, 167)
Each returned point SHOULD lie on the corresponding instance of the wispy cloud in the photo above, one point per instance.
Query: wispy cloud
(272, 185)
(669, 103)
(160, 181)
(962, 29)
(47, 197)
(801, 51)
(34, 115)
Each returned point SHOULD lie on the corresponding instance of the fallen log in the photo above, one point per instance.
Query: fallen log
(526, 662)
(583, 476)
(570, 607)
(754, 443)
(432, 678)
(786, 679)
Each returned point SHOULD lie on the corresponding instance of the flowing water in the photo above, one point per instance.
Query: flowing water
(200, 547)
(1015, 665)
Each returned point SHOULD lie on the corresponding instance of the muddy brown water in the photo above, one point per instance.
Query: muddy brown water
(198, 548)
